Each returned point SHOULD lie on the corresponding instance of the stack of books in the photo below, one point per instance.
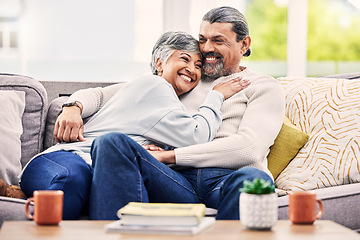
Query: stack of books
(161, 218)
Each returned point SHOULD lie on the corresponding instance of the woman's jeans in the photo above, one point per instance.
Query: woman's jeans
(123, 171)
(64, 171)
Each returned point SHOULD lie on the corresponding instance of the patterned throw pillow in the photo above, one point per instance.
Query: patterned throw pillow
(329, 111)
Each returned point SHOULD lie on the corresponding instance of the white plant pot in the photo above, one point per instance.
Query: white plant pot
(258, 211)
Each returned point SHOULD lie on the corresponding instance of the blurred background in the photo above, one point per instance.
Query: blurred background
(111, 40)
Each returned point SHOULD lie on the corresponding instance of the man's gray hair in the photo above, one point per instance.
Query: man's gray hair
(230, 15)
(168, 43)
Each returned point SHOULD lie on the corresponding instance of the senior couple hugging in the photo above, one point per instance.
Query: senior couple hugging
(158, 138)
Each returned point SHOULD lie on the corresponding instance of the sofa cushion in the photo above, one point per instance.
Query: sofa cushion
(12, 105)
(33, 118)
(328, 110)
(287, 144)
(12, 209)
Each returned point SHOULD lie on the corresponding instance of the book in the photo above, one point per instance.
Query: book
(117, 226)
(161, 214)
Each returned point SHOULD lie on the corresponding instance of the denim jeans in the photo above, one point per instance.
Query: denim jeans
(123, 171)
(64, 171)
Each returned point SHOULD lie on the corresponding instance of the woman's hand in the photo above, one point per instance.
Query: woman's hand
(231, 87)
(160, 154)
(69, 125)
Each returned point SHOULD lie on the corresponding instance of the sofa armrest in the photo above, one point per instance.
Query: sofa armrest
(53, 112)
(33, 119)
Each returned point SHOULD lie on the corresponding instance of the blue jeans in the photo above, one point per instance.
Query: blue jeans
(64, 171)
(123, 171)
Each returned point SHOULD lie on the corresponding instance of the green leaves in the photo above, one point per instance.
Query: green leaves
(258, 186)
(333, 31)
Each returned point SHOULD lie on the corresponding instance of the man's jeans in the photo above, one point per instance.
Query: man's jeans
(123, 172)
(64, 171)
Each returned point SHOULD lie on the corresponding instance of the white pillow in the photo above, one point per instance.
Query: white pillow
(12, 105)
(329, 111)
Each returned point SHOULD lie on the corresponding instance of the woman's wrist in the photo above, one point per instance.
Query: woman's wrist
(168, 157)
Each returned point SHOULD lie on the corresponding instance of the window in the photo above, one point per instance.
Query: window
(8, 33)
(333, 37)
(268, 29)
(13, 39)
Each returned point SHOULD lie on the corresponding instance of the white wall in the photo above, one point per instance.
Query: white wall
(297, 38)
(83, 40)
(78, 30)
(59, 37)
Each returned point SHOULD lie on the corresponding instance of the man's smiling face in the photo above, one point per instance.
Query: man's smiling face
(221, 52)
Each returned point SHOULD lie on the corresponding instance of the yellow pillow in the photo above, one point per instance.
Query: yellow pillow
(287, 144)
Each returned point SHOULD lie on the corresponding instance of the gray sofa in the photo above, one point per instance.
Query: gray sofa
(43, 101)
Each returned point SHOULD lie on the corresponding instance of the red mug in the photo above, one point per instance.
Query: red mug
(48, 207)
(302, 207)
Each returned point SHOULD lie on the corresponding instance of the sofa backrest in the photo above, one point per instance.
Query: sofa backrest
(34, 116)
(57, 89)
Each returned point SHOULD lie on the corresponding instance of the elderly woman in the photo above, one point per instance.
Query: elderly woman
(146, 109)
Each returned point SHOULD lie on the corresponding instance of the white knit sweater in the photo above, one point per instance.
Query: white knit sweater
(251, 121)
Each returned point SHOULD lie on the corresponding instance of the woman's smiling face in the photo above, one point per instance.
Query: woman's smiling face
(182, 70)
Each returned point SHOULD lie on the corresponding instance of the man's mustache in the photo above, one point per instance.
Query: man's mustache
(212, 54)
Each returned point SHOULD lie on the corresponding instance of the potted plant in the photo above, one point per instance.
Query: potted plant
(258, 204)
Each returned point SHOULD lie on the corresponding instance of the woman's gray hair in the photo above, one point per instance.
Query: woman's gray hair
(168, 43)
(230, 15)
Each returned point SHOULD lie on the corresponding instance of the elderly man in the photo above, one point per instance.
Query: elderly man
(213, 172)
(210, 173)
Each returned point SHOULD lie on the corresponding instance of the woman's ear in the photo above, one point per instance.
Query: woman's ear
(159, 67)
(246, 42)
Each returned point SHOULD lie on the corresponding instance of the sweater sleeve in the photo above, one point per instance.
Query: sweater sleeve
(93, 99)
(177, 128)
(249, 146)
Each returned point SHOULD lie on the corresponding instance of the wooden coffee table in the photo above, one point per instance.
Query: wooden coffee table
(228, 230)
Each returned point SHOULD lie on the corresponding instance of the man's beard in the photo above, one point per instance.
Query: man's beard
(214, 70)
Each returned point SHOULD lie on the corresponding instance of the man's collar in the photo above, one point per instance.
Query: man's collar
(242, 68)
(225, 78)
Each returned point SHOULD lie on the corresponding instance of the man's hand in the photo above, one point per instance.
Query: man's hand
(152, 147)
(160, 154)
(69, 126)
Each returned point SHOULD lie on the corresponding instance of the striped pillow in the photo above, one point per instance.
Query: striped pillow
(329, 111)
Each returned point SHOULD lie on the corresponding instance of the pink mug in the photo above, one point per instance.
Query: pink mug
(302, 207)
